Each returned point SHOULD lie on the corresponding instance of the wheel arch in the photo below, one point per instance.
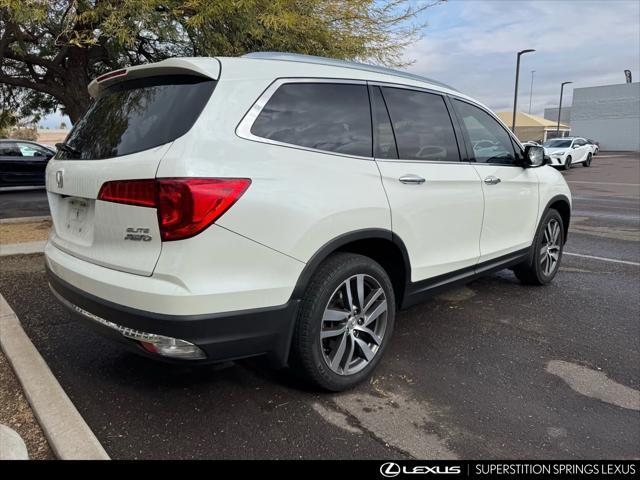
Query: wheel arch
(562, 205)
(379, 244)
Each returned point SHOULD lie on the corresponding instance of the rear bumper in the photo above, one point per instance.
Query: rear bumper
(222, 336)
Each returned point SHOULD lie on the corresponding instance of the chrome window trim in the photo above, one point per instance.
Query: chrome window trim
(243, 130)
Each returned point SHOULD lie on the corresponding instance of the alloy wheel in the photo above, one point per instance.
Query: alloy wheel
(550, 250)
(353, 324)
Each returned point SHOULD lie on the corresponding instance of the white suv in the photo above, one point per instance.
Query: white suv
(568, 151)
(208, 209)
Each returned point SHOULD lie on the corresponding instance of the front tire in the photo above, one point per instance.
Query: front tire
(567, 164)
(587, 162)
(545, 258)
(345, 321)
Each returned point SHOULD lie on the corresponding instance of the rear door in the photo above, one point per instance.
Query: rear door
(510, 191)
(123, 136)
(581, 151)
(436, 199)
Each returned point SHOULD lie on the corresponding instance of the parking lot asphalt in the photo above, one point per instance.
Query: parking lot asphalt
(26, 202)
(490, 370)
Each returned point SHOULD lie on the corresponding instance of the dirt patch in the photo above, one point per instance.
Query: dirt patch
(16, 413)
(24, 232)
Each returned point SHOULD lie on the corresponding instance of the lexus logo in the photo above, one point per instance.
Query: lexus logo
(390, 469)
(60, 178)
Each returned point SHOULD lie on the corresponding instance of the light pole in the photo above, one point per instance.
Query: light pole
(531, 91)
(515, 94)
(560, 108)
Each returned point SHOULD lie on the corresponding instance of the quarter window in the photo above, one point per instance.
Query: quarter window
(422, 125)
(334, 117)
(491, 143)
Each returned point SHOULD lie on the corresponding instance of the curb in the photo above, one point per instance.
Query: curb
(25, 248)
(68, 434)
(24, 219)
(12, 446)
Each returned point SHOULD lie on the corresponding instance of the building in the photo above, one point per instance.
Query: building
(552, 114)
(609, 114)
(533, 128)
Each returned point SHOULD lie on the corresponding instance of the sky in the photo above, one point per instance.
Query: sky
(472, 44)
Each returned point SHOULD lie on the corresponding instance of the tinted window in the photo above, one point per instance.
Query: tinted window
(422, 125)
(557, 143)
(138, 115)
(384, 143)
(324, 116)
(9, 149)
(490, 141)
(31, 150)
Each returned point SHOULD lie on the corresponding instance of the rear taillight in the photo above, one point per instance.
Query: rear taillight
(186, 206)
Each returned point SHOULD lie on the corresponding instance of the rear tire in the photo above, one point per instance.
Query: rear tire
(587, 162)
(546, 254)
(567, 164)
(344, 324)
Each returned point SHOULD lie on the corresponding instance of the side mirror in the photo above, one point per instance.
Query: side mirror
(574, 146)
(534, 156)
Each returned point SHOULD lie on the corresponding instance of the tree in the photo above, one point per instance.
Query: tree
(50, 50)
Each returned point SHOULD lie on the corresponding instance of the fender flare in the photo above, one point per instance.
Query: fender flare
(332, 245)
(564, 199)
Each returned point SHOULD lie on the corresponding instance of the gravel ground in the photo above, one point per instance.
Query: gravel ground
(16, 413)
(24, 232)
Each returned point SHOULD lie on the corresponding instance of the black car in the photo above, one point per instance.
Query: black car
(22, 163)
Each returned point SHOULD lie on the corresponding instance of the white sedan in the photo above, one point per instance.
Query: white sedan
(567, 151)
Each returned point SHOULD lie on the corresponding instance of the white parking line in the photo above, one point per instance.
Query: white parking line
(612, 260)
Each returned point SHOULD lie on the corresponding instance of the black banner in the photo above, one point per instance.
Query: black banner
(381, 469)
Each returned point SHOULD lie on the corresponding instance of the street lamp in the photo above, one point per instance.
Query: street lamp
(531, 91)
(515, 95)
(560, 107)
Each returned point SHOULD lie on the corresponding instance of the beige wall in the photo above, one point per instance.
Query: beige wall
(527, 134)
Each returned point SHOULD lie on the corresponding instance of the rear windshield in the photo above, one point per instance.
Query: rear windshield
(137, 115)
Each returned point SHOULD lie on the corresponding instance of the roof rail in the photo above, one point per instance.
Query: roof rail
(332, 62)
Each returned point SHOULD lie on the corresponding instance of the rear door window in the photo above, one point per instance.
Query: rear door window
(137, 115)
(334, 117)
(422, 125)
(9, 149)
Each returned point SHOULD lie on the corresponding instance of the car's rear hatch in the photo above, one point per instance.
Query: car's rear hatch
(136, 116)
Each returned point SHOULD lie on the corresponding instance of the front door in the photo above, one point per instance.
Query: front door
(510, 191)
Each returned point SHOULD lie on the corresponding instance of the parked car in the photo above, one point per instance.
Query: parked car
(595, 146)
(258, 219)
(23, 163)
(567, 151)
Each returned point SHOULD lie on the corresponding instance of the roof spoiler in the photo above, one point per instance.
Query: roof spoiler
(201, 66)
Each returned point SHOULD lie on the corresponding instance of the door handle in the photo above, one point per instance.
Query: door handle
(491, 180)
(412, 179)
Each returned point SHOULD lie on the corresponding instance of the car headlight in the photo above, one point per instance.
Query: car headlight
(558, 154)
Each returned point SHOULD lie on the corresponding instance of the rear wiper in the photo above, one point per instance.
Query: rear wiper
(67, 148)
